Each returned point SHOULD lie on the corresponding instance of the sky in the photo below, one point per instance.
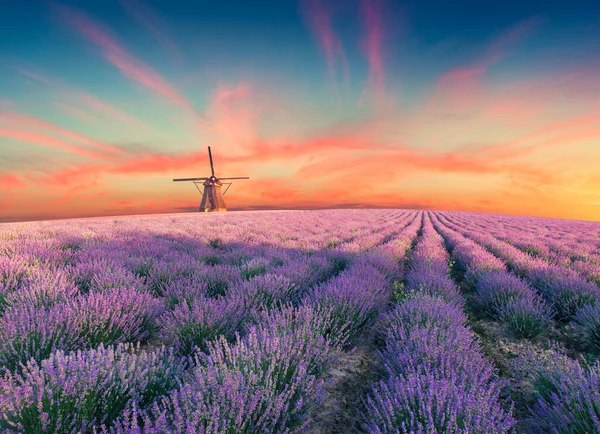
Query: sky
(454, 105)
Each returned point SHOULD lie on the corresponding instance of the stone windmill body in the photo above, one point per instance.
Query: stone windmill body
(212, 198)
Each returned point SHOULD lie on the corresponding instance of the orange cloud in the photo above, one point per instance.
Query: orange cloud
(11, 181)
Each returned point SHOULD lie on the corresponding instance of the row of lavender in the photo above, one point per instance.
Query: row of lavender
(567, 392)
(269, 328)
(576, 250)
(436, 379)
(568, 294)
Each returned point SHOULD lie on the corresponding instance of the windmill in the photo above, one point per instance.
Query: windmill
(212, 199)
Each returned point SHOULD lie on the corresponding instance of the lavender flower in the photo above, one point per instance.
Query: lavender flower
(495, 288)
(268, 290)
(525, 317)
(571, 403)
(355, 296)
(124, 315)
(259, 384)
(32, 332)
(588, 324)
(421, 404)
(42, 288)
(191, 325)
(75, 392)
(564, 289)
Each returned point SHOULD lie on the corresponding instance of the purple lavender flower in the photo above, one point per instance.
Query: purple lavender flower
(355, 296)
(191, 325)
(13, 273)
(78, 391)
(421, 404)
(42, 288)
(588, 324)
(566, 291)
(495, 288)
(422, 311)
(124, 315)
(573, 405)
(32, 332)
(525, 317)
(259, 384)
(306, 322)
(265, 291)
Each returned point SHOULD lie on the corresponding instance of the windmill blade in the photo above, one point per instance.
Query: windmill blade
(212, 169)
(244, 177)
(190, 179)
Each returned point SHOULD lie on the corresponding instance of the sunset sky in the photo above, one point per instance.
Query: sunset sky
(487, 106)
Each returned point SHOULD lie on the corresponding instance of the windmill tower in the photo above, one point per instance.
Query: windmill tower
(212, 199)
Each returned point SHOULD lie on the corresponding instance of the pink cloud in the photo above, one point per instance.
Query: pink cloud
(149, 19)
(78, 96)
(460, 86)
(24, 122)
(50, 142)
(128, 64)
(319, 20)
(371, 13)
(224, 94)
(76, 113)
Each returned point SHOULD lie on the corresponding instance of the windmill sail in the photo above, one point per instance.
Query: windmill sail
(212, 197)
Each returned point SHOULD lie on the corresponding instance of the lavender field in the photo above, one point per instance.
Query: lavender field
(337, 321)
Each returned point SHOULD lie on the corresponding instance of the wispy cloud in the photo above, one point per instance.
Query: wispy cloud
(319, 19)
(129, 65)
(371, 13)
(25, 124)
(78, 102)
(150, 20)
(461, 85)
(51, 143)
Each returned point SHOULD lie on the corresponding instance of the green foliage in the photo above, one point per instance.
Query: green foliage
(216, 243)
(399, 293)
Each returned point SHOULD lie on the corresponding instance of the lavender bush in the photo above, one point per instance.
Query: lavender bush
(588, 324)
(573, 408)
(33, 332)
(75, 392)
(524, 317)
(566, 291)
(495, 289)
(306, 322)
(568, 400)
(423, 404)
(41, 288)
(191, 325)
(354, 297)
(265, 291)
(259, 384)
(124, 315)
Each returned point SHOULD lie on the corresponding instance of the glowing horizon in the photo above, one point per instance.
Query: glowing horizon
(322, 103)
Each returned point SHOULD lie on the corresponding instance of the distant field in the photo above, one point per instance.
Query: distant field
(336, 321)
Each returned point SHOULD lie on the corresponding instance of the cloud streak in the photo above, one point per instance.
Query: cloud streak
(130, 66)
(319, 19)
(371, 13)
(461, 85)
(150, 20)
